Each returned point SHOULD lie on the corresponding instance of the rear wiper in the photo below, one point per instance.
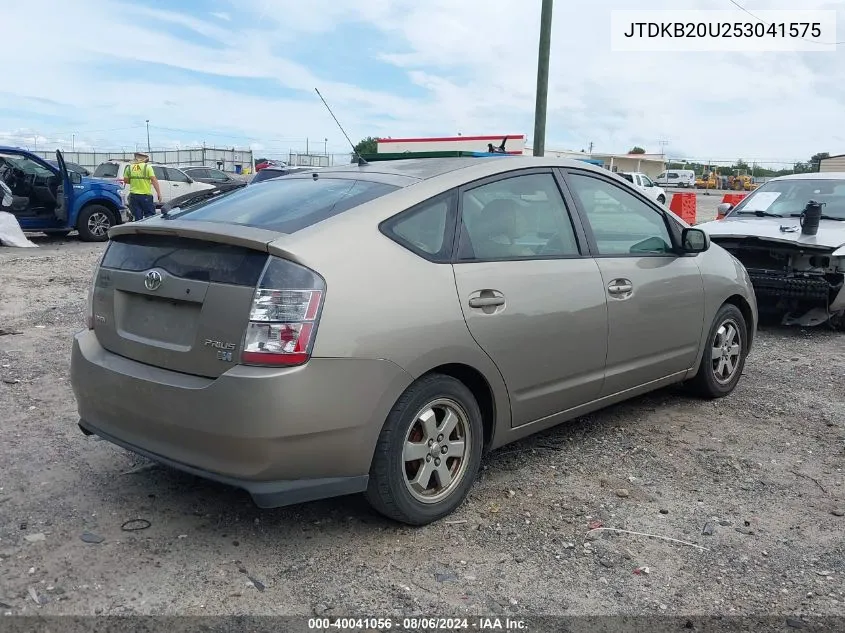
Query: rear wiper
(760, 214)
(821, 217)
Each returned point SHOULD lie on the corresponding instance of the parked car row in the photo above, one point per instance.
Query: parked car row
(57, 197)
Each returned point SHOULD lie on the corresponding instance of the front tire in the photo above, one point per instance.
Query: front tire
(94, 223)
(724, 355)
(428, 453)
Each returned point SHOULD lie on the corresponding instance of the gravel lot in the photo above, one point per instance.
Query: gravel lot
(760, 471)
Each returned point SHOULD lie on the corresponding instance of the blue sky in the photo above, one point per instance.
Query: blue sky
(243, 73)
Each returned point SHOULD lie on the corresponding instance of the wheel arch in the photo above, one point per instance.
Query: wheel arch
(102, 202)
(742, 304)
(481, 390)
(747, 313)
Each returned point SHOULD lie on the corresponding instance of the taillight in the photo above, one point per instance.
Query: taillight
(284, 315)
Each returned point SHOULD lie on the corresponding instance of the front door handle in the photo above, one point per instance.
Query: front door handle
(483, 302)
(620, 287)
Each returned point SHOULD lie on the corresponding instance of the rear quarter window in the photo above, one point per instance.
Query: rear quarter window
(106, 170)
(288, 205)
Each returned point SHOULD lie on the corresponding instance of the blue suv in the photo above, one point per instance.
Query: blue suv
(55, 200)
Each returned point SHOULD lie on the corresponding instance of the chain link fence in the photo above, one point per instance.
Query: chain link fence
(230, 160)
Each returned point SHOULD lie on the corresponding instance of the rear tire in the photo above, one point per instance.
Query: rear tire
(94, 223)
(724, 355)
(422, 470)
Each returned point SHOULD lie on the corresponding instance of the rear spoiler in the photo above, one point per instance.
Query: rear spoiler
(235, 234)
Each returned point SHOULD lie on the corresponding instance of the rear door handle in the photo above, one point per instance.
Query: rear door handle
(483, 302)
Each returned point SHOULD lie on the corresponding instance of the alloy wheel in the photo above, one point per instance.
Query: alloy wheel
(99, 224)
(436, 450)
(726, 351)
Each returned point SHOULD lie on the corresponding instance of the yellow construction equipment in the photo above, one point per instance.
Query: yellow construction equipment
(743, 182)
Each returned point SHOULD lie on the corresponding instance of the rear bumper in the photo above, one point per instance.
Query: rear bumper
(284, 435)
(265, 494)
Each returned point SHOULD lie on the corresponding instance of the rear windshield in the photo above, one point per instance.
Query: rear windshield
(287, 205)
(106, 170)
(270, 173)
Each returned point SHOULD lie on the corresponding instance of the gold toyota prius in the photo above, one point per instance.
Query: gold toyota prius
(376, 327)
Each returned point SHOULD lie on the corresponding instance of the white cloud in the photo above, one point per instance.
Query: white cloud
(474, 60)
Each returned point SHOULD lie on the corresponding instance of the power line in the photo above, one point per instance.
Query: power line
(807, 39)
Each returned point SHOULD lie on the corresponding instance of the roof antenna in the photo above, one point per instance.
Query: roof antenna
(361, 160)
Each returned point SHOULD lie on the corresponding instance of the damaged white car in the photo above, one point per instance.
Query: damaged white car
(790, 236)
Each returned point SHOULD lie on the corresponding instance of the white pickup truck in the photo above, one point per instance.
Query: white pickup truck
(645, 184)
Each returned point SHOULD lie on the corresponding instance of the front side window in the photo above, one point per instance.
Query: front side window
(522, 217)
(621, 223)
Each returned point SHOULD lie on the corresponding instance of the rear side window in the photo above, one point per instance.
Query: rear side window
(288, 205)
(106, 170)
(174, 175)
(427, 229)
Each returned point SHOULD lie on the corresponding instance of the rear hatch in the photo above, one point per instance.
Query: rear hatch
(177, 300)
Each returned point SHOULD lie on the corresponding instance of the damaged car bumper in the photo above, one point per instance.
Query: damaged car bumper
(804, 286)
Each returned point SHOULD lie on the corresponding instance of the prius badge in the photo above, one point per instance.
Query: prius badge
(152, 280)
(224, 349)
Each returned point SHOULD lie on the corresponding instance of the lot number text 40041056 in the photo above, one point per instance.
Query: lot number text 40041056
(417, 624)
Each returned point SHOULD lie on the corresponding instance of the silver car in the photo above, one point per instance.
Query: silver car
(796, 262)
(376, 328)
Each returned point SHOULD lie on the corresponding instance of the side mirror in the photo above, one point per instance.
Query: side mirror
(75, 178)
(723, 209)
(695, 240)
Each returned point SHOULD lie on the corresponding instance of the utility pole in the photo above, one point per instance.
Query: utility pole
(591, 148)
(149, 150)
(72, 142)
(543, 78)
(326, 146)
(307, 148)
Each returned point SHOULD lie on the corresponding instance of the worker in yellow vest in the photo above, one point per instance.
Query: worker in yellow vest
(142, 180)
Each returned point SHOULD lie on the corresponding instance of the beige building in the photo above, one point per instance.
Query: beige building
(652, 165)
(833, 163)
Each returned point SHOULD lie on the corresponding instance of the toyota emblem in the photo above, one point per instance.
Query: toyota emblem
(152, 281)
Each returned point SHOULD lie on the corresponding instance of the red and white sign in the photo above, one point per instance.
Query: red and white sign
(514, 144)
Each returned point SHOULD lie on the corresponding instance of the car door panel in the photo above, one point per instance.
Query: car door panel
(536, 306)
(544, 324)
(655, 297)
(163, 183)
(654, 329)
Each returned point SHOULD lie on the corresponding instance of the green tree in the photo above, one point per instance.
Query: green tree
(368, 145)
(816, 159)
(637, 150)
